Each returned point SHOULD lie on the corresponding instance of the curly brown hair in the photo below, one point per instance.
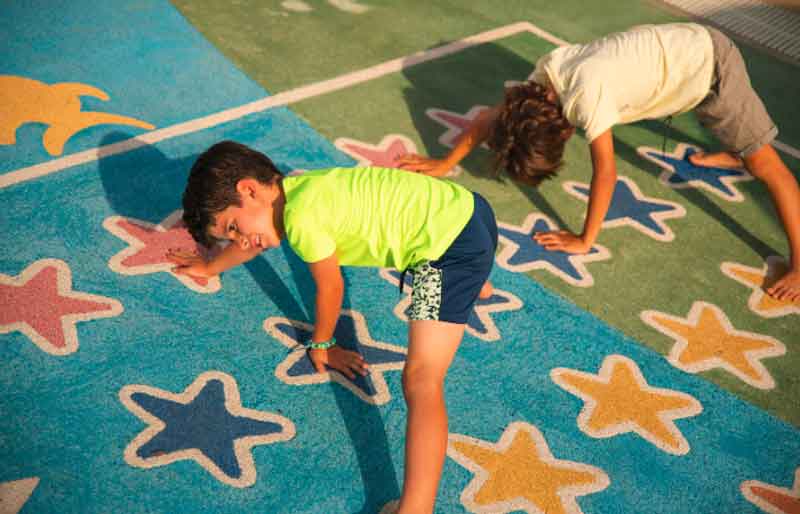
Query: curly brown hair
(529, 134)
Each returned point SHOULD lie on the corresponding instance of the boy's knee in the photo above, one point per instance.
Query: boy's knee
(421, 382)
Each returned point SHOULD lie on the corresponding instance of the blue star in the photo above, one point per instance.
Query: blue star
(680, 173)
(630, 207)
(522, 253)
(352, 334)
(206, 423)
(480, 323)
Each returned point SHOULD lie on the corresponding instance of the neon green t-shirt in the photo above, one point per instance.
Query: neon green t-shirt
(378, 217)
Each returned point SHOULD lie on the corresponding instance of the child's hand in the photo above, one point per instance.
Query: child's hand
(339, 359)
(424, 165)
(787, 288)
(562, 240)
(188, 263)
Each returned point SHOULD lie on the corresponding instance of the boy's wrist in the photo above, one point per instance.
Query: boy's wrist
(322, 345)
(588, 241)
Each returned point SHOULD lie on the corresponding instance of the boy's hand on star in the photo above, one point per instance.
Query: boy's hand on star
(787, 288)
(188, 263)
(563, 241)
(339, 359)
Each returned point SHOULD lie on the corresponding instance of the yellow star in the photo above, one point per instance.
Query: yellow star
(771, 498)
(759, 280)
(520, 473)
(705, 339)
(619, 400)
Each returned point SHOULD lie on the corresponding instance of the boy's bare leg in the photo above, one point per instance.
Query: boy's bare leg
(716, 160)
(766, 165)
(431, 347)
(486, 291)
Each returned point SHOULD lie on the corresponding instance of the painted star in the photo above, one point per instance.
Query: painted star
(680, 173)
(759, 280)
(148, 247)
(385, 154)
(520, 253)
(15, 494)
(619, 400)
(773, 499)
(205, 423)
(630, 207)
(480, 323)
(705, 339)
(352, 334)
(519, 473)
(41, 304)
(456, 123)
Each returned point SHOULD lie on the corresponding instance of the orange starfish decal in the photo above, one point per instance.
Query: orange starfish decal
(58, 105)
(618, 400)
(705, 339)
(773, 499)
(759, 280)
(519, 473)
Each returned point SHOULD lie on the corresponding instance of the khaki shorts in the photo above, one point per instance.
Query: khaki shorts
(732, 111)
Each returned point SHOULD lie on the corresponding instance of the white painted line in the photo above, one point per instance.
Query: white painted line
(783, 147)
(281, 99)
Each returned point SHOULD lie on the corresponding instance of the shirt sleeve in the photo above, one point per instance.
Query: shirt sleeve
(593, 109)
(539, 74)
(309, 242)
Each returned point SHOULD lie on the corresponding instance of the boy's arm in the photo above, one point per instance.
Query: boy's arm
(330, 293)
(604, 178)
(476, 133)
(193, 264)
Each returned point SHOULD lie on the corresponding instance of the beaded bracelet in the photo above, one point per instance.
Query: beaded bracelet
(324, 345)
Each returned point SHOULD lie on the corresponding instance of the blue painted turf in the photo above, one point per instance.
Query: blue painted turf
(61, 418)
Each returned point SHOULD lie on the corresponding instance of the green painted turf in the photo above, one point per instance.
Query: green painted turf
(283, 50)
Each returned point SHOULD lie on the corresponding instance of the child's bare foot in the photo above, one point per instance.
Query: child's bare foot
(716, 160)
(486, 291)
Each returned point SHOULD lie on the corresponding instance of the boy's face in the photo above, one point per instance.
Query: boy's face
(258, 222)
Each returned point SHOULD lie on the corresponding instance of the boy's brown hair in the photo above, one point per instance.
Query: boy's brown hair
(211, 186)
(529, 134)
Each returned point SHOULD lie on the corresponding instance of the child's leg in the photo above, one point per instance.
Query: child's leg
(766, 165)
(486, 291)
(431, 347)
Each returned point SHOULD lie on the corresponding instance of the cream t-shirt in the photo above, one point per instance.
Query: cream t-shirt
(649, 71)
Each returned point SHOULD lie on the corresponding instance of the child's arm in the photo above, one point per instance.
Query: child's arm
(767, 165)
(604, 178)
(476, 133)
(330, 292)
(195, 265)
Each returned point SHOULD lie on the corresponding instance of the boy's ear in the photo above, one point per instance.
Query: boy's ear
(247, 187)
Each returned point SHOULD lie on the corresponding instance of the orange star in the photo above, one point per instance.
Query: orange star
(520, 473)
(759, 280)
(771, 498)
(705, 339)
(619, 400)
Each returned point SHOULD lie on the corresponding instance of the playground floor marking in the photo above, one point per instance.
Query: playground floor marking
(285, 98)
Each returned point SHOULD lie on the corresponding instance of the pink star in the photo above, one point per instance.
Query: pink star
(41, 304)
(148, 247)
(385, 154)
(456, 123)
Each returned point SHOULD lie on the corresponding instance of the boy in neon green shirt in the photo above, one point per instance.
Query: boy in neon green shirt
(443, 234)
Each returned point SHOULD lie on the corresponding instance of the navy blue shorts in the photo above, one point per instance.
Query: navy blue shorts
(446, 289)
